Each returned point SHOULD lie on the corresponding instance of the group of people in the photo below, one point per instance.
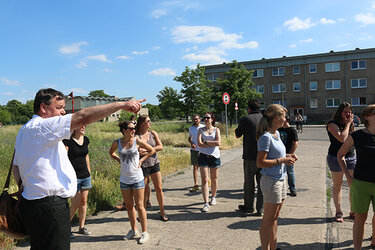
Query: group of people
(51, 164)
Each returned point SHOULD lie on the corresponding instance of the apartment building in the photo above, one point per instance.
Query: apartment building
(313, 85)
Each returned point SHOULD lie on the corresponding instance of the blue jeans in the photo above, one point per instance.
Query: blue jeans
(291, 179)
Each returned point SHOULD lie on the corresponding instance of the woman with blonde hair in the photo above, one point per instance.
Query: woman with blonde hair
(362, 188)
(151, 167)
(339, 128)
(272, 158)
(131, 179)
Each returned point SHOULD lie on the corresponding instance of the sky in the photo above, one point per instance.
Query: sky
(136, 48)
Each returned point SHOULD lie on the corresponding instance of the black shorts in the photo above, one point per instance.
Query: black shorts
(151, 170)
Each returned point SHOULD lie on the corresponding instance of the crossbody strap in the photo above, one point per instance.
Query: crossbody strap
(6, 186)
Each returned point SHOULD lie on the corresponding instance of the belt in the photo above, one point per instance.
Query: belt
(209, 156)
(52, 199)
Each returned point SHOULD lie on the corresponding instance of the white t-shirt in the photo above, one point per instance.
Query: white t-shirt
(193, 133)
(213, 151)
(129, 158)
(42, 158)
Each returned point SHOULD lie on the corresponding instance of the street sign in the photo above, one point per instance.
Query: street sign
(226, 98)
(235, 106)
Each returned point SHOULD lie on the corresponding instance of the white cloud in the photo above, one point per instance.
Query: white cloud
(297, 24)
(81, 65)
(73, 48)
(327, 21)
(123, 57)
(140, 52)
(163, 72)
(158, 13)
(108, 70)
(77, 91)
(156, 47)
(101, 58)
(6, 81)
(309, 40)
(292, 46)
(212, 55)
(191, 48)
(373, 6)
(341, 20)
(7, 93)
(343, 45)
(365, 19)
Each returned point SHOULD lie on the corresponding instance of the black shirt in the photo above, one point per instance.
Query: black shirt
(77, 156)
(364, 144)
(336, 144)
(247, 127)
(288, 135)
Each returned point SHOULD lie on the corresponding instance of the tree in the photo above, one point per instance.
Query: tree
(195, 91)
(5, 117)
(237, 83)
(154, 111)
(98, 93)
(170, 102)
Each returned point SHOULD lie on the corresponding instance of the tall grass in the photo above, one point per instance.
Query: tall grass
(105, 172)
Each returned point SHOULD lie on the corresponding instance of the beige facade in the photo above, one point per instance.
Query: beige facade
(313, 85)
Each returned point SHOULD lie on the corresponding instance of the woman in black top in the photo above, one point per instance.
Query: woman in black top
(339, 128)
(77, 147)
(362, 189)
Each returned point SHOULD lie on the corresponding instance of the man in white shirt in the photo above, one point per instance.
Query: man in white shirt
(194, 150)
(43, 171)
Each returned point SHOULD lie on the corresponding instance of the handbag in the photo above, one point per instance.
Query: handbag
(11, 222)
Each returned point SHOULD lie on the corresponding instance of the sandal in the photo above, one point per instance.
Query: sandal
(164, 218)
(352, 215)
(339, 217)
(148, 204)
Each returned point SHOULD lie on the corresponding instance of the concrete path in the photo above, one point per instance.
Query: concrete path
(305, 221)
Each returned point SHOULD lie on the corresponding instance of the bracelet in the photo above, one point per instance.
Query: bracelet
(277, 160)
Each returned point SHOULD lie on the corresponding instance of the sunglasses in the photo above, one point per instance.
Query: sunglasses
(206, 117)
(131, 128)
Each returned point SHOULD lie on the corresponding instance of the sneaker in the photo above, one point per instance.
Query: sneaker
(131, 234)
(205, 208)
(245, 209)
(194, 189)
(84, 231)
(71, 235)
(293, 193)
(144, 237)
(213, 201)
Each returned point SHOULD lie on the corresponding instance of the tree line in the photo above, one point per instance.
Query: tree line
(197, 96)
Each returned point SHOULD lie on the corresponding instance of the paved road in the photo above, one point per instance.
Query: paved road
(305, 221)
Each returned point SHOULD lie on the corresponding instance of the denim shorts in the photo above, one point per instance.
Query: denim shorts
(151, 170)
(84, 183)
(208, 161)
(137, 185)
(334, 166)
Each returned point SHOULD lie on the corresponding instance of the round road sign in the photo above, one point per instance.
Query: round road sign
(226, 98)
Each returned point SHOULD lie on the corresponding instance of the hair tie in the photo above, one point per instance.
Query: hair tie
(265, 116)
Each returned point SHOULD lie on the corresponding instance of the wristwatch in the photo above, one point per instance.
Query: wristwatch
(204, 142)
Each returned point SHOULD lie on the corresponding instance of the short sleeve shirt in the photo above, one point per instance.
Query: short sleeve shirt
(77, 156)
(288, 136)
(193, 133)
(276, 149)
(42, 158)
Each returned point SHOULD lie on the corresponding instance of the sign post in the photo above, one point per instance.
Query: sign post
(226, 100)
(236, 108)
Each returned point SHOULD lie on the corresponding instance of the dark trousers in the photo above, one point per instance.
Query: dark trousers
(250, 171)
(47, 221)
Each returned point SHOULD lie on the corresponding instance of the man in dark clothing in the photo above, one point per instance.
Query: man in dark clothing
(247, 128)
(289, 137)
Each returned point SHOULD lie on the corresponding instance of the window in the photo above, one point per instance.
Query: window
(259, 89)
(359, 83)
(333, 102)
(258, 73)
(359, 101)
(332, 67)
(276, 88)
(281, 102)
(313, 103)
(262, 105)
(312, 68)
(359, 64)
(212, 77)
(278, 72)
(313, 86)
(297, 87)
(296, 70)
(333, 84)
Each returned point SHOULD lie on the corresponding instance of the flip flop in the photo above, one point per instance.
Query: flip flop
(339, 217)
(164, 218)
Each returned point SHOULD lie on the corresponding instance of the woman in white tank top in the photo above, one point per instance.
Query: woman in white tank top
(131, 179)
(209, 158)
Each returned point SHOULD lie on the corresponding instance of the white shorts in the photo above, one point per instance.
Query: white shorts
(274, 191)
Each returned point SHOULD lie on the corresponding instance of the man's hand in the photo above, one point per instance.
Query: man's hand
(133, 105)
